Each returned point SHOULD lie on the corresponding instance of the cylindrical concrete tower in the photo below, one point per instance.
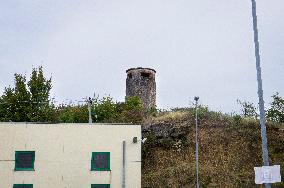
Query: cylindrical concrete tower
(141, 82)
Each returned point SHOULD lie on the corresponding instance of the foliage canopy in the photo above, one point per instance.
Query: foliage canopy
(276, 110)
(28, 101)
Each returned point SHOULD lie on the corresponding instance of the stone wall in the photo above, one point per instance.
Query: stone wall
(141, 82)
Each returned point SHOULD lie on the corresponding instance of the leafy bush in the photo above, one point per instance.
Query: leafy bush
(72, 113)
(131, 110)
(105, 110)
(248, 109)
(276, 111)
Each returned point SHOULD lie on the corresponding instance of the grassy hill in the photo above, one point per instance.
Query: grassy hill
(230, 148)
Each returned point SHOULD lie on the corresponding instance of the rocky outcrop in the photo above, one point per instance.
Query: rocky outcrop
(166, 134)
(166, 129)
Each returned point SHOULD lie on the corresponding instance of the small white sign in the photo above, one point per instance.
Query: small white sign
(267, 174)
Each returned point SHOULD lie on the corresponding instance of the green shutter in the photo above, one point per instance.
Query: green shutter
(100, 186)
(24, 160)
(23, 186)
(100, 161)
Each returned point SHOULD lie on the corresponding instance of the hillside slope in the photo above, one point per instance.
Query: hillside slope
(230, 148)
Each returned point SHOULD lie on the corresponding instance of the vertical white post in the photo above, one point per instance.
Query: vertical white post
(260, 91)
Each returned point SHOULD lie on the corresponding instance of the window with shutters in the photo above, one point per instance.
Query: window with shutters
(24, 160)
(23, 186)
(100, 186)
(100, 161)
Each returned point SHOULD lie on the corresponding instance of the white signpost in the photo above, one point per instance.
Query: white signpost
(267, 174)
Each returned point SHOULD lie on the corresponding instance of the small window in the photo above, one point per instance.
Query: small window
(100, 186)
(23, 186)
(24, 160)
(100, 161)
(145, 75)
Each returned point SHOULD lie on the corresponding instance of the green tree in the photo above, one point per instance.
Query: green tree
(248, 109)
(132, 110)
(276, 110)
(15, 102)
(105, 110)
(28, 101)
(39, 87)
(21, 99)
(7, 110)
(72, 113)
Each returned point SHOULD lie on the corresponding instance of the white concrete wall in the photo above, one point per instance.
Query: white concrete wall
(63, 154)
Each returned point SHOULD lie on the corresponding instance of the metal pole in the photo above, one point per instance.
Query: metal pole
(196, 141)
(90, 110)
(260, 91)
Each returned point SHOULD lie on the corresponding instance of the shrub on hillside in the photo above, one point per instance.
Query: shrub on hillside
(248, 109)
(104, 110)
(72, 113)
(276, 110)
(131, 110)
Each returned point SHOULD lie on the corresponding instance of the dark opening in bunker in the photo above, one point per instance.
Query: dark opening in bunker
(145, 75)
(129, 75)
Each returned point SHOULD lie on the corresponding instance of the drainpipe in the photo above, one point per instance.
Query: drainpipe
(123, 163)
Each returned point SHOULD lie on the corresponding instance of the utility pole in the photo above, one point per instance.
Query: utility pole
(260, 91)
(90, 110)
(196, 140)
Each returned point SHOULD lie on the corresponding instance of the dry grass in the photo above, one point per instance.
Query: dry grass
(169, 116)
(228, 153)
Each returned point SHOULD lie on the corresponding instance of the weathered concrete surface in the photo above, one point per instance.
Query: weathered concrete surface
(140, 82)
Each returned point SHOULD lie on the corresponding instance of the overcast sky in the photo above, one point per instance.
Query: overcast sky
(198, 47)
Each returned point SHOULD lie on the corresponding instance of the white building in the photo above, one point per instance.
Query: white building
(70, 155)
